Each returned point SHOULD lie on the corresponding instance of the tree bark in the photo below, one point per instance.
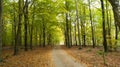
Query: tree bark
(116, 33)
(103, 24)
(108, 24)
(18, 35)
(44, 34)
(67, 26)
(67, 31)
(31, 32)
(116, 10)
(70, 31)
(75, 34)
(14, 26)
(25, 24)
(92, 27)
(78, 25)
(84, 30)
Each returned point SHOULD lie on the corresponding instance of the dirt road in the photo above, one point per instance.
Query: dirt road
(62, 59)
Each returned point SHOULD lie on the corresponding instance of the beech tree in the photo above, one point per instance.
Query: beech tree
(92, 25)
(18, 34)
(78, 25)
(116, 10)
(26, 24)
(103, 24)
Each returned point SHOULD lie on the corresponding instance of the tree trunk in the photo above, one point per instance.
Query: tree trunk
(1, 9)
(116, 33)
(36, 36)
(116, 10)
(44, 34)
(65, 35)
(78, 25)
(25, 24)
(67, 31)
(70, 31)
(84, 30)
(14, 24)
(108, 24)
(103, 24)
(92, 27)
(31, 34)
(18, 35)
(75, 34)
(67, 26)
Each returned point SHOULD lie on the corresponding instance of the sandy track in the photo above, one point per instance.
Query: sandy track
(62, 59)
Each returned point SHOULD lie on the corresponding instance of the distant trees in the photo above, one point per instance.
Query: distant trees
(81, 26)
(27, 25)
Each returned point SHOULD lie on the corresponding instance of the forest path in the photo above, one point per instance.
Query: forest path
(62, 59)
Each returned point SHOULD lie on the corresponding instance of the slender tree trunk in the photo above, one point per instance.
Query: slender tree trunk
(40, 36)
(3, 31)
(75, 34)
(67, 31)
(116, 32)
(14, 26)
(65, 34)
(40, 39)
(67, 26)
(13, 40)
(78, 25)
(18, 35)
(36, 35)
(92, 27)
(103, 24)
(44, 34)
(70, 31)
(1, 9)
(84, 30)
(25, 24)
(108, 23)
(31, 34)
(81, 24)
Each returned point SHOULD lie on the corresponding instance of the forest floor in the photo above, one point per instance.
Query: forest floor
(38, 57)
(60, 57)
(94, 57)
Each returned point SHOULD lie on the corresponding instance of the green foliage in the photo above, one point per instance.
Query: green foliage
(52, 14)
